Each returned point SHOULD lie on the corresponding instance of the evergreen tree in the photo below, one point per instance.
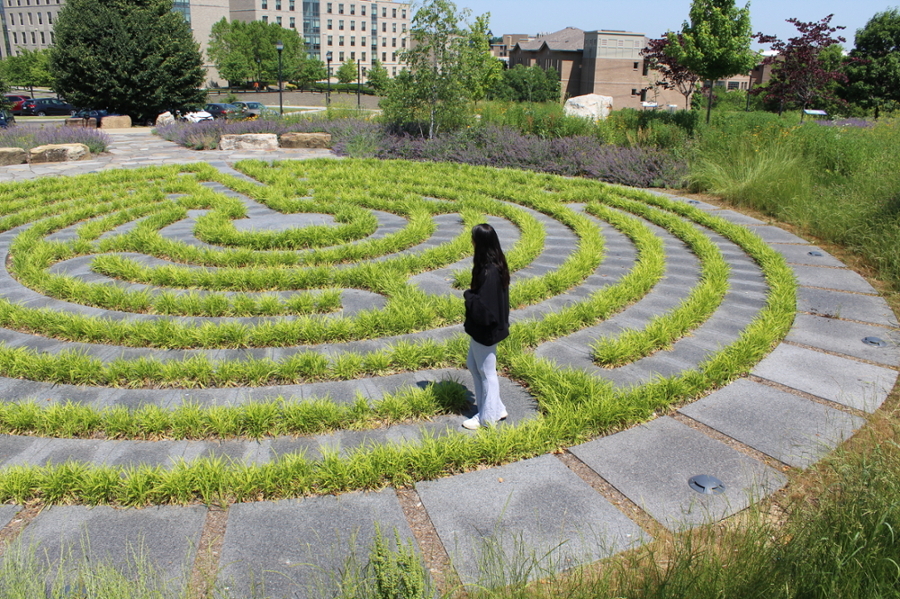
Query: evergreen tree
(715, 44)
(136, 57)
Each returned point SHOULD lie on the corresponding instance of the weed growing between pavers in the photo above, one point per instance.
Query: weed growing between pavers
(133, 269)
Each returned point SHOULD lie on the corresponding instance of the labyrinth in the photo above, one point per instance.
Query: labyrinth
(195, 335)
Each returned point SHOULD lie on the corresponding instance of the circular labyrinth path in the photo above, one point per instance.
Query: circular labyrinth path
(245, 369)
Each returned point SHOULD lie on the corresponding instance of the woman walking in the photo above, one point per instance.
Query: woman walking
(487, 323)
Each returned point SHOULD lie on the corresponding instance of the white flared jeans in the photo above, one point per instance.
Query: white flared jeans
(482, 363)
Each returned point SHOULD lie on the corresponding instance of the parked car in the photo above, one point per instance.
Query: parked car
(221, 110)
(91, 113)
(15, 102)
(254, 108)
(46, 106)
(6, 118)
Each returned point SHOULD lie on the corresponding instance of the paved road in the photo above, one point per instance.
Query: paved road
(599, 498)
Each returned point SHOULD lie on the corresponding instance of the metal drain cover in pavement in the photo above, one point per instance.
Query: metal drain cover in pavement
(706, 484)
(874, 341)
(816, 253)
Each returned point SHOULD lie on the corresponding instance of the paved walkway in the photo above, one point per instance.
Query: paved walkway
(599, 498)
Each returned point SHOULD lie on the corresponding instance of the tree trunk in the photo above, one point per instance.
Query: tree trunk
(709, 101)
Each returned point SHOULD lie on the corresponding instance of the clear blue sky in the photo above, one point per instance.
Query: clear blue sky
(653, 17)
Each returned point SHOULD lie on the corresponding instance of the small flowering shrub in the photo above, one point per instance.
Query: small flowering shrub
(15, 137)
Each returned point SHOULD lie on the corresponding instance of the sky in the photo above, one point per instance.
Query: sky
(654, 17)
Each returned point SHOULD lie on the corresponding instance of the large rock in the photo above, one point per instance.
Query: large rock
(120, 121)
(59, 153)
(591, 106)
(306, 140)
(79, 122)
(249, 141)
(13, 156)
(164, 119)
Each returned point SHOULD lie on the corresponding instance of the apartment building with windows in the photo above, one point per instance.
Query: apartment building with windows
(361, 31)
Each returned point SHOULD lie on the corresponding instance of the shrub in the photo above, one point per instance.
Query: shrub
(16, 137)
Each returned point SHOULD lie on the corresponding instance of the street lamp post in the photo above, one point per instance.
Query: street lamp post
(328, 93)
(358, 83)
(279, 46)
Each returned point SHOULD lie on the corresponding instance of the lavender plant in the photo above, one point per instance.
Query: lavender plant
(15, 137)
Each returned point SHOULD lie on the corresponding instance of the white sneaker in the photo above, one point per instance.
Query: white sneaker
(472, 423)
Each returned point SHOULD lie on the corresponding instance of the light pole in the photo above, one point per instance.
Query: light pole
(358, 83)
(279, 46)
(328, 93)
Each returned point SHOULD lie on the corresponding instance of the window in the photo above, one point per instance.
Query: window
(265, 18)
(328, 24)
(384, 57)
(40, 18)
(393, 57)
(341, 56)
(278, 20)
(720, 84)
(384, 42)
(352, 40)
(394, 72)
(362, 55)
(341, 24)
(362, 41)
(330, 40)
(384, 11)
(384, 27)
(265, 4)
(403, 42)
(292, 5)
(353, 56)
(340, 40)
(52, 38)
(43, 40)
(293, 23)
(394, 13)
(404, 28)
(394, 27)
(340, 9)
(732, 85)
(15, 37)
(277, 4)
(352, 9)
(30, 19)
(393, 42)
(362, 25)
(33, 40)
(362, 10)
(21, 18)
(328, 8)
(352, 25)
(634, 92)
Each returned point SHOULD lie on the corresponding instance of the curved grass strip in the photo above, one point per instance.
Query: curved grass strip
(575, 406)
(661, 331)
(251, 420)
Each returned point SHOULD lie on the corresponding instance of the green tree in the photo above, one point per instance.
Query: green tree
(136, 57)
(431, 94)
(481, 70)
(527, 84)
(715, 44)
(346, 73)
(377, 77)
(874, 66)
(28, 68)
(246, 51)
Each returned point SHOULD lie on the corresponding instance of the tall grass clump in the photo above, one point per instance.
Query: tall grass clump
(839, 183)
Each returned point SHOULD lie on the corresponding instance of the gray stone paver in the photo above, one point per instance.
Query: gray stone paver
(652, 463)
(295, 547)
(536, 509)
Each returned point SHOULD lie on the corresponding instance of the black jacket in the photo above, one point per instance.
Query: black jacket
(487, 310)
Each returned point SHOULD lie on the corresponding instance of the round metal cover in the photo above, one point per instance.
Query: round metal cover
(816, 253)
(706, 484)
(693, 202)
(874, 341)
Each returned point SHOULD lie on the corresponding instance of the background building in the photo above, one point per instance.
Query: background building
(361, 31)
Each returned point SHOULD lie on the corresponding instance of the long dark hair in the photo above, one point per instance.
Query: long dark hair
(487, 252)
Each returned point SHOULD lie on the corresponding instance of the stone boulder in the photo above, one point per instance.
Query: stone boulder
(249, 141)
(164, 119)
(305, 140)
(59, 153)
(120, 121)
(73, 122)
(13, 156)
(590, 106)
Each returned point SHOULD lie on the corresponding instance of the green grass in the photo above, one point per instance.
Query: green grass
(574, 406)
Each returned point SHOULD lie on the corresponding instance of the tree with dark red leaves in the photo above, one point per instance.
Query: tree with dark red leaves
(800, 73)
(672, 74)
